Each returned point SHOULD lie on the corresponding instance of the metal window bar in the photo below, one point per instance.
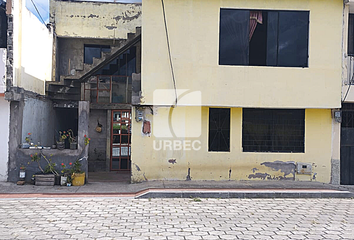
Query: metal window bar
(266, 130)
(101, 87)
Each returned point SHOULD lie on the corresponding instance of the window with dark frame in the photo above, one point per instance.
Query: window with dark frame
(351, 35)
(263, 38)
(273, 130)
(219, 129)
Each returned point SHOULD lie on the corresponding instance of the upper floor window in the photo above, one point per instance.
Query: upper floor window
(263, 38)
(92, 51)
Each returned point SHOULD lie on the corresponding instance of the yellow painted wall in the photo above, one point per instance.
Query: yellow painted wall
(193, 27)
(95, 19)
(150, 164)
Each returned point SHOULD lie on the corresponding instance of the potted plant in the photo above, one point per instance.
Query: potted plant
(48, 176)
(78, 176)
(61, 141)
(66, 174)
(72, 140)
(27, 142)
(69, 181)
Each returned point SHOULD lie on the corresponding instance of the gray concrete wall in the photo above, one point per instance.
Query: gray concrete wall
(71, 53)
(23, 158)
(18, 157)
(38, 119)
(98, 144)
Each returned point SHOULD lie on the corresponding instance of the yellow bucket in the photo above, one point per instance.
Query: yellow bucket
(78, 179)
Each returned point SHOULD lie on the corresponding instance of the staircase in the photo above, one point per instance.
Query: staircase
(69, 86)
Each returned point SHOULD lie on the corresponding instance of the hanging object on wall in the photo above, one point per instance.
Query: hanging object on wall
(99, 127)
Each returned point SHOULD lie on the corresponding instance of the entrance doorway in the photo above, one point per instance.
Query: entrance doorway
(347, 145)
(120, 140)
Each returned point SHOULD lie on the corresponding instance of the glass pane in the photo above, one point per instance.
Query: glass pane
(90, 53)
(272, 38)
(119, 89)
(116, 138)
(124, 164)
(125, 128)
(123, 64)
(104, 82)
(125, 139)
(116, 116)
(115, 163)
(126, 115)
(234, 37)
(116, 128)
(131, 61)
(125, 151)
(104, 97)
(115, 151)
(293, 39)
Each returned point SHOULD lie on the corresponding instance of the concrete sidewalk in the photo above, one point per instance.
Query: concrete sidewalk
(165, 189)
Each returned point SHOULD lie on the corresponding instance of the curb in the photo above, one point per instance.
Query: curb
(193, 193)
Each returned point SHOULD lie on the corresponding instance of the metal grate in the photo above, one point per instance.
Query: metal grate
(219, 129)
(348, 115)
(271, 130)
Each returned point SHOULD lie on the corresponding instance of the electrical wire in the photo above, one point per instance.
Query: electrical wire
(34, 5)
(169, 50)
(346, 94)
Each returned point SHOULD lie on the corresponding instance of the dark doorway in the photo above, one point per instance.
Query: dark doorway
(347, 146)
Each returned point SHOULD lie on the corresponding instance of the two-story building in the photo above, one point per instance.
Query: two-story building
(239, 90)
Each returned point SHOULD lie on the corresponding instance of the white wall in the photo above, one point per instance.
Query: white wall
(2, 70)
(33, 46)
(4, 137)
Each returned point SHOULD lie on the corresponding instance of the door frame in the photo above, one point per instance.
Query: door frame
(128, 121)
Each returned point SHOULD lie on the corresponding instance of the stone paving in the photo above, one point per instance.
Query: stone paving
(115, 218)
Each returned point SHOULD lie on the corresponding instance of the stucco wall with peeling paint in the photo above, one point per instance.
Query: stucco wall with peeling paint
(151, 163)
(109, 20)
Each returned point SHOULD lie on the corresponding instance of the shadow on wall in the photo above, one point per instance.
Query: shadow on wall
(30, 82)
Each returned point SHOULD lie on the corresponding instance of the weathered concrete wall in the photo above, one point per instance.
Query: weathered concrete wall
(4, 140)
(199, 164)
(71, 53)
(38, 119)
(194, 27)
(110, 20)
(32, 50)
(98, 144)
(21, 157)
(84, 119)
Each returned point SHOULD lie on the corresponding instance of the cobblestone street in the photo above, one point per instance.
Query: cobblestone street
(114, 218)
